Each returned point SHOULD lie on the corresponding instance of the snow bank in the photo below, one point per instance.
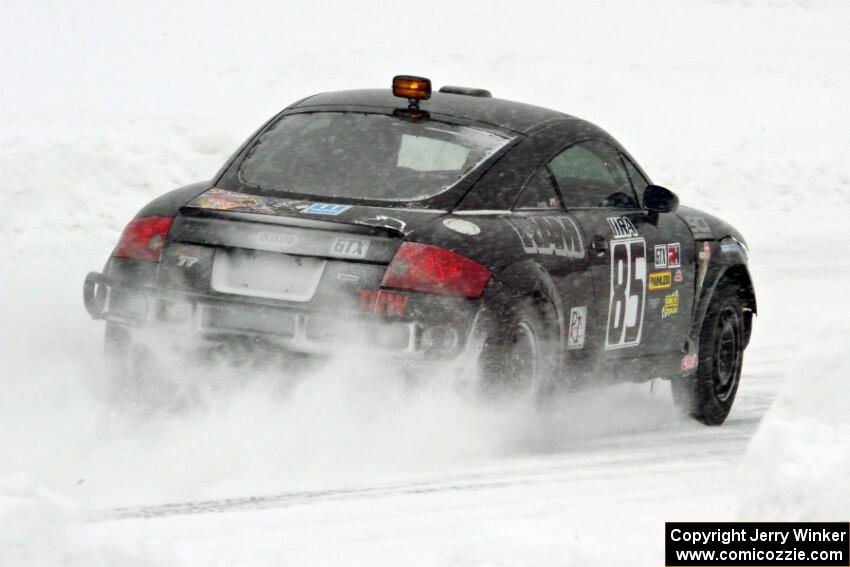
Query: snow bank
(40, 528)
(798, 463)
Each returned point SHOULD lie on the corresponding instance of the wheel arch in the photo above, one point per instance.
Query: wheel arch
(737, 275)
(528, 279)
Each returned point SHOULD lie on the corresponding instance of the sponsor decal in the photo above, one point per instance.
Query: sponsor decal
(222, 200)
(383, 302)
(578, 321)
(704, 257)
(660, 280)
(689, 362)
(698, 225)
(653, 302)
(622, 227)
(628, 293)
(660, 256)
(729, 248)
(462, 226)
(554, 236)
(673, 259)
(667, 255)
(350, 247)
(678, 277)
(326, 209)
(348, 277)
(281, 239)
(671, 305)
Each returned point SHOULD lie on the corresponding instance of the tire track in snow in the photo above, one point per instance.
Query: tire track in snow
(685, 449)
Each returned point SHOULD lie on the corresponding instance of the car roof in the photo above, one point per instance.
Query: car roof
(506, 114)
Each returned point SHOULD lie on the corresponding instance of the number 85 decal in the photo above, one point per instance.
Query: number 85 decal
(628, 292)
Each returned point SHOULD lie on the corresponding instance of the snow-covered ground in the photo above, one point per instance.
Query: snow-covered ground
(739, 106)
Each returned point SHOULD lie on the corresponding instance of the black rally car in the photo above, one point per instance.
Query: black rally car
(426, 226)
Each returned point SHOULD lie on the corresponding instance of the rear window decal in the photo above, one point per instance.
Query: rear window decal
(325, 209)
(223, 200)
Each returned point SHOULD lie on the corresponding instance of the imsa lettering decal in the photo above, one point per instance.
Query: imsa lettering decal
(556, 236)
(622, 227)
(660, 280)
(628, 293)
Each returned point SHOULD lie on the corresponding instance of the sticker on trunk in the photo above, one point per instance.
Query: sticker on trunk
(350, 247)
(327, 209)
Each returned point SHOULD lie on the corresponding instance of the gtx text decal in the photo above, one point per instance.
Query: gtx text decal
(558, 236)
(628, 292)
(350, 247)
(667, 255)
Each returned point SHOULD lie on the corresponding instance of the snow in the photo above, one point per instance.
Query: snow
(798, 464)
(738, 106)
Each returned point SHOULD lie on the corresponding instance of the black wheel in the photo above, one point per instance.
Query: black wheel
(519, 356)
(708, 395)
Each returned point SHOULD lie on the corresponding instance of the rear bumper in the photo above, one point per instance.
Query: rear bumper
(199, 318)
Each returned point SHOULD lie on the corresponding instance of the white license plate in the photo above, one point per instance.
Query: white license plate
(266, 274)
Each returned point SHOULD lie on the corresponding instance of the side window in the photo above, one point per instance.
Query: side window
(639, 182)
(539, 193)
(591, 174)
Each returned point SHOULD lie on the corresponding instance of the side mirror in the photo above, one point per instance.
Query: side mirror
(658, 199)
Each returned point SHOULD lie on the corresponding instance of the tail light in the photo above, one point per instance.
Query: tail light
(419, 267)
(143, 239)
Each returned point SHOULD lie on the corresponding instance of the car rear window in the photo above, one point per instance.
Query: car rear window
(365, 156)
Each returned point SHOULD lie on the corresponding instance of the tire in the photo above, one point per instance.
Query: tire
(130, 367)
(519, 355)
(708, 395)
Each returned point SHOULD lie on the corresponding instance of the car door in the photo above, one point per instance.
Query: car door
(635, 293)
(668, 313)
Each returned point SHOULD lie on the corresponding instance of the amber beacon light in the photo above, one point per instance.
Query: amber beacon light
(412, 88)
